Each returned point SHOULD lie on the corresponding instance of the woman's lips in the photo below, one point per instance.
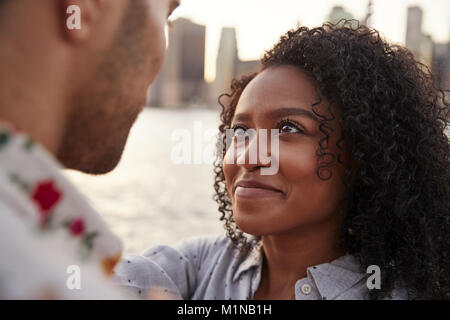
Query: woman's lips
(255, 189)
(255, 192)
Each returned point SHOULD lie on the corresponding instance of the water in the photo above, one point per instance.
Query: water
(148, 200)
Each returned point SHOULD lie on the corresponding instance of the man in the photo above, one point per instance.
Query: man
(70, 91)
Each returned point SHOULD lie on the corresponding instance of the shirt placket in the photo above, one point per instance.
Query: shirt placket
(305, 289)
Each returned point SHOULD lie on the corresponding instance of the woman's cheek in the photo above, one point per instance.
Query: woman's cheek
(297, 160)
(229, 171)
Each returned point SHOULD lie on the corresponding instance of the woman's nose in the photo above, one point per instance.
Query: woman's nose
(253, 151)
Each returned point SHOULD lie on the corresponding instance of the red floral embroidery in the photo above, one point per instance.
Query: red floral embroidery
(77, 227)
(15, 129)
(46, 196)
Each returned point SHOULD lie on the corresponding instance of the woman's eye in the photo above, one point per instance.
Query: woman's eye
(288, 127)
(239, 131)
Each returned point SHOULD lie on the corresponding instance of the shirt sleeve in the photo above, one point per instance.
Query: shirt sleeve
(35, 266)
(165, 272)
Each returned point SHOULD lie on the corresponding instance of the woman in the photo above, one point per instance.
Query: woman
(362, 181)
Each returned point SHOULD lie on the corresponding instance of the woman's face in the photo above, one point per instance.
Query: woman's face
(295, 197)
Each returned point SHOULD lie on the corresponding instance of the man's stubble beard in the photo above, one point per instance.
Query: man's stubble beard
(104, 110)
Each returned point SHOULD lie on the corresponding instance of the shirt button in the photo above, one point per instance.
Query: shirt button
(306, 289)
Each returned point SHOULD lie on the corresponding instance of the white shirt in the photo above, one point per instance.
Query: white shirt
(52, 243)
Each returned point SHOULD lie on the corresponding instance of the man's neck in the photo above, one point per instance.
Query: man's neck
(29, 99)
(32, 114)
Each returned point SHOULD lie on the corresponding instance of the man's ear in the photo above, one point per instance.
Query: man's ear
(79, 18)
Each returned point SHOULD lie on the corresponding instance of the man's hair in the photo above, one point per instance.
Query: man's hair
(2, 2)
(2, 7)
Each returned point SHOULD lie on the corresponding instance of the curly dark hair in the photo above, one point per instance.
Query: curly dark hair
(396, 203)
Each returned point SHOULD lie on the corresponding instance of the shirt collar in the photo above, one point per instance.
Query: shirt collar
(331, 278)
(253, 259)
(336, 277)
(47, 202)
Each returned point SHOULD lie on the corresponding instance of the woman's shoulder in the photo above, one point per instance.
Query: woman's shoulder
(175, 268)
(194, 248)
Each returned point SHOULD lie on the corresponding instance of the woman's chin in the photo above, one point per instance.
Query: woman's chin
(250, 229)
(255, 222)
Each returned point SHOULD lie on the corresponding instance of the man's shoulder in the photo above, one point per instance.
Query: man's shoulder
(37, 266)
(46, 226)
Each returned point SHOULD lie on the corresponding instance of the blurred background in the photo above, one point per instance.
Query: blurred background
(150, 200)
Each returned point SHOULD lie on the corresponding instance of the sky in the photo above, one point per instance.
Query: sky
(259, 23)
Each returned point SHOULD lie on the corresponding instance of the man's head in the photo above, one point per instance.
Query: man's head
(103, 70)
(105, 106)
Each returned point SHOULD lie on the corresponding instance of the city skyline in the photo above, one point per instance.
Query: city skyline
(182, 79)
(270, 20)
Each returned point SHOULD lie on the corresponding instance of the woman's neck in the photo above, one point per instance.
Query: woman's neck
(287, 256)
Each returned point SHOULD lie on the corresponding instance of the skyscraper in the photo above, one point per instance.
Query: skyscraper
(226, 64)
(181, 81)
(338, 13)
(369, 13)
(441, 65)
(420, 44)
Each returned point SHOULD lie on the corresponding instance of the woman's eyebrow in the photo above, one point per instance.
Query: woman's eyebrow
(241, 117)
(283, 112)
(278, 113)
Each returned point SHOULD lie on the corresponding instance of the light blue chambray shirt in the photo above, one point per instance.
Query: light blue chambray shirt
(210, 267)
